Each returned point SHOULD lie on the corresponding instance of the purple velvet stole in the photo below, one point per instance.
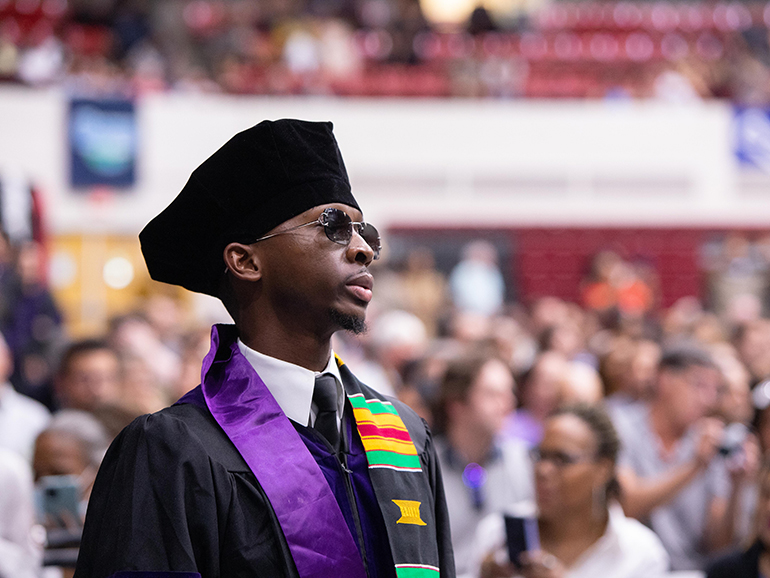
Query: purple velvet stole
(374, 536)
(315, 529)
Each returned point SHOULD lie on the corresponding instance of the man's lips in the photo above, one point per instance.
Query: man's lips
(361, 286)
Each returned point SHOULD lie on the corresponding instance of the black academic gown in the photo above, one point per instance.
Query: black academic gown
(173, 494)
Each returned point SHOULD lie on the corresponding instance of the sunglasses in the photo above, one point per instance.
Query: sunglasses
(339, 229)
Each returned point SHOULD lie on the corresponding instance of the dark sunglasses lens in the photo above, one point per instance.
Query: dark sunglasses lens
(372, 238)
(337, 226)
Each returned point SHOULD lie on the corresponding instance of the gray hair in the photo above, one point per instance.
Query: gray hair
(86, 429)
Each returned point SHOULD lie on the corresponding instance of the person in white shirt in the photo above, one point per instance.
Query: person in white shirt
(21, 417)
(583, 532)
(20, 553)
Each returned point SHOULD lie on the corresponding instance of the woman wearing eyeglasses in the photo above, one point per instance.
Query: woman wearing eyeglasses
(583, 532)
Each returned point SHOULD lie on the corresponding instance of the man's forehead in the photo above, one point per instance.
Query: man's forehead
(691, 370)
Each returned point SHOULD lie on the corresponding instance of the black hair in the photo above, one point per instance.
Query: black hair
(607, 440)
(80, 348)
(458, 379)
(684, 356)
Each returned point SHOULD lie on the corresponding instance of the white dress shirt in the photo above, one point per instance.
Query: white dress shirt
(292, 385)
(628, 549)
(20, 554)
(21, 420)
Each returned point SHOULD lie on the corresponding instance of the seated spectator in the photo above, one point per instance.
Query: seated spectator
(422, 377)
(582, 384)
(134, 337)
(736, 410)
(425, 288)
(21, 418)
(482, 473)
(73, 444)
(70, 448)
(476, 283)
(735, 268)
(195, 346)
(469, 327)
(20, 553)
(753, 561)
(628, 370)
(547, 312)
(735, 400)
(34, 331)
(644, 365)
(671, 473)
(163, 312)
(140, 391)
(513, 343)
(752, 340)
(760, 397)
(89, 376)
(616, 287)
(395, 338)
(541, 394)
(583, 531)
(568, 338)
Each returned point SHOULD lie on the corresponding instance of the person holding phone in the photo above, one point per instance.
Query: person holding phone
(582, 530)
(20, 552)
(752, 561)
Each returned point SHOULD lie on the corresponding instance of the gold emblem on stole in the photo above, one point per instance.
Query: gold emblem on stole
(410, 512)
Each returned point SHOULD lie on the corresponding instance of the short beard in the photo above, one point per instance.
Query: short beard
(352, 323)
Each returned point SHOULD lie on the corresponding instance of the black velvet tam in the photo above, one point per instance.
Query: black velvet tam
(260, 178)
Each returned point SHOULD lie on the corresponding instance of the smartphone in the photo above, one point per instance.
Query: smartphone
(521, 536)
(59, 501)
(732, 439)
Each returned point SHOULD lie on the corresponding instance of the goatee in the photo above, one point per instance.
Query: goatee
(352, 323)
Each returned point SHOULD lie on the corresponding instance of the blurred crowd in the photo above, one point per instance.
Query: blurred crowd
(614, 421)
(670, 51)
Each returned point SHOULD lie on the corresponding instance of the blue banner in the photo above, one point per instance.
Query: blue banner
(102, 142)
(751, 138)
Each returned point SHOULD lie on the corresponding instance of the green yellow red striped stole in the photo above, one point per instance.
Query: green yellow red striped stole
(399, 482)
(416, 571)
(386, 440)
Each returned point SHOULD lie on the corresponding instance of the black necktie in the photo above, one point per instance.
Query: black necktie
(325, 400)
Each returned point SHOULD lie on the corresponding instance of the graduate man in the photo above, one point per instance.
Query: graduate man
(281, 463)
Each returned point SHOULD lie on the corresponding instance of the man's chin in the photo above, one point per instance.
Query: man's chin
(354, 323)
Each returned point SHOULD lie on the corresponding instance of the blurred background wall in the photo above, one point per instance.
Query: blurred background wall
(554, 180)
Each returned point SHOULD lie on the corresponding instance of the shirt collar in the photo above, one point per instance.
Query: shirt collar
(292, 385)
(610, 539)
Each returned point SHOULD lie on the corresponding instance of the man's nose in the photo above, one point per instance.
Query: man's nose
(359, 250)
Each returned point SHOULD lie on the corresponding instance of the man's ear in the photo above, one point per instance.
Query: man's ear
(242, 262)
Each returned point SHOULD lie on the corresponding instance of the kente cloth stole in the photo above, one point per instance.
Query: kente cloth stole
(400, 485)
(315, 530)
